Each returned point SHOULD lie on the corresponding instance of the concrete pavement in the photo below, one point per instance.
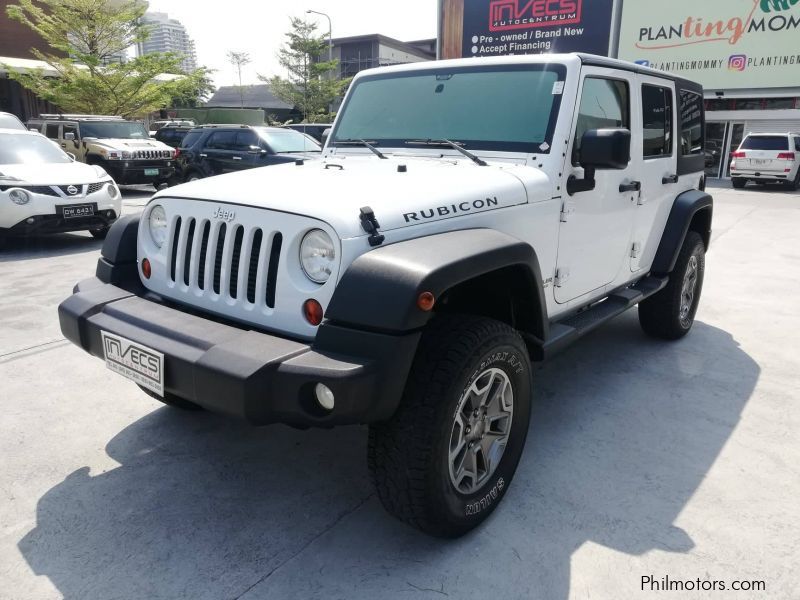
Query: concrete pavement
(644, 458)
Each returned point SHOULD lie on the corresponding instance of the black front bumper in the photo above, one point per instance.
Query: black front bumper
(58, 224)
(134, 172)
(245, 373)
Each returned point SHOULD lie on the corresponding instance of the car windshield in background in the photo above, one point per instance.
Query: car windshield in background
(123, 130)
(766, 142)
(10, 122)
(29, 150)
(288, 141)
(511, 109)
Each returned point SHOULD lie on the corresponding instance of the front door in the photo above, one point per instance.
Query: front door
(216, 155)
(595, 230)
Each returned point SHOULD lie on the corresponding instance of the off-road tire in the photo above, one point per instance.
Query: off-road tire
(738, 182)
(795, 184)
(408, 455)
(172, 400)
(660, 314)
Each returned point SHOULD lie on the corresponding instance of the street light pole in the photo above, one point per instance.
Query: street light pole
(330, 32)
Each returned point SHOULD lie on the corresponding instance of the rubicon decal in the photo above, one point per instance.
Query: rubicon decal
(505, 15)
(451, 210)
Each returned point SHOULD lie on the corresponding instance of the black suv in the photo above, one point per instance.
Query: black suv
(172, 135)
(216, 149)
(315, 130)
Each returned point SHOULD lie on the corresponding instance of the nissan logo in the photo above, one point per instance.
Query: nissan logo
(72, 190)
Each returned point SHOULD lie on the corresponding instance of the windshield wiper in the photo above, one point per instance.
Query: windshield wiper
(365, 143)
(454, 145)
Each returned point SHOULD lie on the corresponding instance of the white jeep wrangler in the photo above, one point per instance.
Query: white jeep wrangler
(467, 218)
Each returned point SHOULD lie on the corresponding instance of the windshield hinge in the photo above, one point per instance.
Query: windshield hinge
(370, 224)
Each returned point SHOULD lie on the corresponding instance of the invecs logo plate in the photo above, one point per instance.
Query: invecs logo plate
(506, 15)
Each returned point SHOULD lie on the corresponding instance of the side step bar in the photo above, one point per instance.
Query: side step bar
(566, 331)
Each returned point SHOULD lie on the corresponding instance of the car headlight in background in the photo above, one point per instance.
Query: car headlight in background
(157, 222)
(19, 196)
(112, 190)
(317, 255)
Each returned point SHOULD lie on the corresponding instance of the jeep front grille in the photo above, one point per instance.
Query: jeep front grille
(232, 260)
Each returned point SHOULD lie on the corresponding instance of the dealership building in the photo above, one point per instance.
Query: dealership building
(745, 53)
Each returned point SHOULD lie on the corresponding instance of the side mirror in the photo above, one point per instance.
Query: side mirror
(256, 150)
(601, 149)
(325, 135)
(69, 136)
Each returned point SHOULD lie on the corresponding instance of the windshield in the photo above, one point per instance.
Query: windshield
(508, 108)
(10, 122)
(114, 129)
(29, 150)
(288, 141)
(766, 142)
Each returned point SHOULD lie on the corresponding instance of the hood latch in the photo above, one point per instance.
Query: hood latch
(370, 224)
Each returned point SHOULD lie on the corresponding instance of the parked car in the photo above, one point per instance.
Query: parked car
(156, 126)
(43, 189)
(767, 158)
(9, 121)
(216, 149)
(172, 135)
(315, 130)
(123, 148)
(409, 279)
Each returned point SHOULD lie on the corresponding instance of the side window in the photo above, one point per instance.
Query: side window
(51, 130)
(71, 129)
(691, 123)
(222, 140)
(191, 139)
(245, 139)
(797, 144)
(657, 121)
(604, 103)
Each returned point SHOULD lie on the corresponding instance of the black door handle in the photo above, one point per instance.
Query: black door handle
(669, 179)
(633, 186)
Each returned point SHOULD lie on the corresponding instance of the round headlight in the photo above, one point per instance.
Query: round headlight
(317, 255)
(19, 196)
(158, 225)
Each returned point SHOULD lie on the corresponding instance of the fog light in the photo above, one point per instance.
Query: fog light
(312, 310)
(324, 396)
(109, 213)
(147, 270)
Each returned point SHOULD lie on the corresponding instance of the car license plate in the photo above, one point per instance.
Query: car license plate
(77, 210)
(758, 162)
(138, 363)
(149, 172)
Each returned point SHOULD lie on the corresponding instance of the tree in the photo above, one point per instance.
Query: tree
(239, 60)
(194, 97)
(311, 84)
(84, 37)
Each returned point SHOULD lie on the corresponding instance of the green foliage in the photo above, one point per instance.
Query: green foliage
(84, 36)
(311, 84)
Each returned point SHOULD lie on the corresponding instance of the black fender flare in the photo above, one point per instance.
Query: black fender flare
(118, 262)
(690, 207)
(379, 290)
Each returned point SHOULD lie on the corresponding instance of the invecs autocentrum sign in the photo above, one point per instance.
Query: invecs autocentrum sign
(722, 43)
(506, 15)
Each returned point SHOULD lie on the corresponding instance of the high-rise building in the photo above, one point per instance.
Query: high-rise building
(168, 35)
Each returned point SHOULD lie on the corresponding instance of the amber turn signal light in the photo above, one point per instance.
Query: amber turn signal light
(425, 301)
(312, 310)
(146, 268)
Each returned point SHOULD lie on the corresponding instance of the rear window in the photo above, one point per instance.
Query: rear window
(191, 138)
(765, 142)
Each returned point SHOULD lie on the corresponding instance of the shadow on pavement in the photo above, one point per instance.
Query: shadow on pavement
(624, 431)
(47, 246)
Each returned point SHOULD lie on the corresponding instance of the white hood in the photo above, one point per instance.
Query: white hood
(50, 174)
(402, 191)
(129, 144)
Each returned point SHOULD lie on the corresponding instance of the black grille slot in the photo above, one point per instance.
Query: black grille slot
(187, 258)
(201, 271)
(235, 257)
(218, 257)
(272, 274)
(252, 272)
(95, 187)
(175, 239)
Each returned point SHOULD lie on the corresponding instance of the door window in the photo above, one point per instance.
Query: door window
(797, 144)
(51, 130)
(245, 139)
(222, 140)
(657, 121)
(605, 103)
(71, 129)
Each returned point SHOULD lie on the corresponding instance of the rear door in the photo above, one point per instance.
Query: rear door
(657, 167)
(595, 229)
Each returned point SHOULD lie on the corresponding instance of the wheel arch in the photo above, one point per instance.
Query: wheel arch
(691, 211)
(478, 271)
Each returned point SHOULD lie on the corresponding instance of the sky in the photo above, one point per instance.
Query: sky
(258, 27)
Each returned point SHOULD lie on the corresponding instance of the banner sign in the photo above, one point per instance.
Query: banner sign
(723, 44)
(503, 27)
